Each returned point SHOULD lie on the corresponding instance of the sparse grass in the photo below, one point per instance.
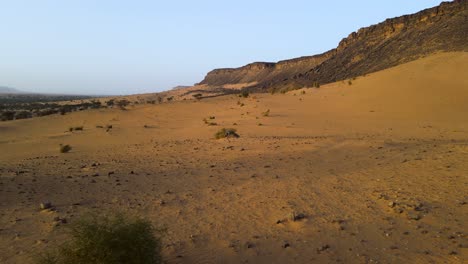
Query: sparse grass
(108, 240)
(65, 148)
(226, 133)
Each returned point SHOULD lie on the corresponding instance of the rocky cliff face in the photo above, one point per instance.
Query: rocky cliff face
(387, 44)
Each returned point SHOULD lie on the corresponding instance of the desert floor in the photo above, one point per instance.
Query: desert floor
(378, 168)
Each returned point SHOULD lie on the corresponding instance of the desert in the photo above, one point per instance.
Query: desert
(357, 154)
(364, 172)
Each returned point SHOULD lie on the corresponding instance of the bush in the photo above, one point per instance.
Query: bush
(108, 240)
(122, 104)
(23, 115)
(8, 115)
(244, 94)
(110, 103)
(226, 133)
(266, 113)
(65, 148)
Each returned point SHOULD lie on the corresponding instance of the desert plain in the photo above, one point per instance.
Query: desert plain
(368, 170)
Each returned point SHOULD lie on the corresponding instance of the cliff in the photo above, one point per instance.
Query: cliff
(387, 44)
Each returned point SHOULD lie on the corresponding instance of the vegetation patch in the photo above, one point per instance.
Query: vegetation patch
(226, 133)
(108, 240)
(244, 94)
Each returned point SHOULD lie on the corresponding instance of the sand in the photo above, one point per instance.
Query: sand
(376, 170)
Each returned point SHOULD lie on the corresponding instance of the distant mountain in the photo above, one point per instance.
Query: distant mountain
(387, 44)
(9, 90)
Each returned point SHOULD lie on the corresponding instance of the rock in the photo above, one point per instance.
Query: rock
(391, 204)
(296, 216)
(45, 205)
(323, 248)
(413, 216)
(249, 245)
(285, 244)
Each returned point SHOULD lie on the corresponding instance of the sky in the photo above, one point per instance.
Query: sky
(101, 47)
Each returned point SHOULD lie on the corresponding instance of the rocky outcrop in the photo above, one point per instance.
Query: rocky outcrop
(387, 44)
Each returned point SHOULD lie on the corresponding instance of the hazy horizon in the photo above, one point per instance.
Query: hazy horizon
(118, 47)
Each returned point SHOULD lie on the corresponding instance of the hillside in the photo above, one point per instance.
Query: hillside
(375, 169)
(387, 44)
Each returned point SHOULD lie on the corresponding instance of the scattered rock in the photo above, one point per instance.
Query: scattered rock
(413, 216)
(45, 205)
(322, 248)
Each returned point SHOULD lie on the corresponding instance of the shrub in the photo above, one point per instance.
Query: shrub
(197, 96)
(23, 115)
(316, 84)
(79, 128)
(122, 104)
(110, 102)
(226, 133)
(244, 94)
(8, 115)
(65, 148)
(266, 113)
(108, 240)
(350, 82)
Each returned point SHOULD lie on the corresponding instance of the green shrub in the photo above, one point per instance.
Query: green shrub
(65, 148)
(108, 240)
(226, 133)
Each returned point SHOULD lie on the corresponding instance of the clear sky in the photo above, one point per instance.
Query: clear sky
(136, 46)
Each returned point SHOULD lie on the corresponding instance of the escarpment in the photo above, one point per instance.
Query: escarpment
(387, 44)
